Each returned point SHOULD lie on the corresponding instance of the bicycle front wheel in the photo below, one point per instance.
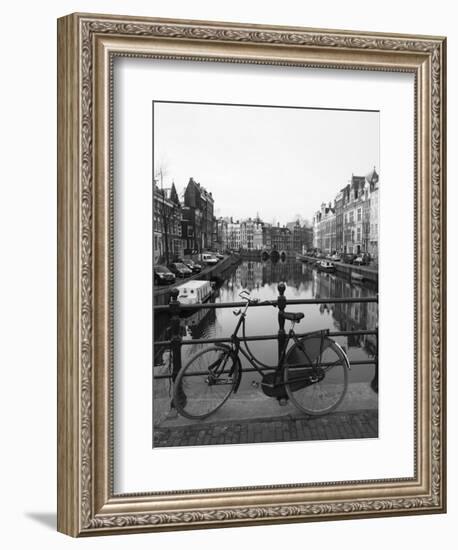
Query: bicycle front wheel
(205, 383)
(316, 374)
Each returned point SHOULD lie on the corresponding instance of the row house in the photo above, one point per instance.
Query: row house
(281, 238)
(197, 198)
(251, 234)
(258, 237)
(338, 205)
(354, 202)
(167, 230)
(267, 236)
(221, 234)
(324, 229)
(233, 235)
(351, 224)
(242, 235)
(191, 230)
(301, 236)
(373, 180)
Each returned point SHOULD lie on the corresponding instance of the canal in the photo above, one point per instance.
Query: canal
(261, 279)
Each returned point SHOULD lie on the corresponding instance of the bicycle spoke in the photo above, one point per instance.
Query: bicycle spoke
(204, 383)
(317, 387)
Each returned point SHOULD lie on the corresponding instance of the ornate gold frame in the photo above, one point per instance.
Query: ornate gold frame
(86, 45)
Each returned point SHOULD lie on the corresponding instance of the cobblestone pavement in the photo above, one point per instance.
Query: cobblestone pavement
(341, 425)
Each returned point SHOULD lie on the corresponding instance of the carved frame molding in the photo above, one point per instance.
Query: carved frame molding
(87, 45)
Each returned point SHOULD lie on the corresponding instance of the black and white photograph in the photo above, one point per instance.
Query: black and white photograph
(265, 236)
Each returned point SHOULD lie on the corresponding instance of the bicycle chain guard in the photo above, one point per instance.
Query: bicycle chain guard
(272, 388)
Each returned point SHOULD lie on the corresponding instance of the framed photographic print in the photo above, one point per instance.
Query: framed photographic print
(251, 274)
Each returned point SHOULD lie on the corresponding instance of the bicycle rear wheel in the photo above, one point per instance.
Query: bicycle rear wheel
(206, 382)
(316, 374)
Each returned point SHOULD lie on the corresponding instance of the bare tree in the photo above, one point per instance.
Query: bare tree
(159, 174)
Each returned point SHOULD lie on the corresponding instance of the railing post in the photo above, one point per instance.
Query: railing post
(281, 321)
(374, 381)
(175, 341)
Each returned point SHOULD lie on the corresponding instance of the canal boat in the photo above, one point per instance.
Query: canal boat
(194, 292)
(325, 265)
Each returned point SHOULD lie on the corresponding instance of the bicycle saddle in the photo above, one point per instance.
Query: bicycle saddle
(292, 316)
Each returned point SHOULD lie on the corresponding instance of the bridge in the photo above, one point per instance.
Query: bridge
(265, 253)
(253, 409)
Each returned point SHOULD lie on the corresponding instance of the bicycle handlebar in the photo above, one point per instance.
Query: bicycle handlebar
(245, 295)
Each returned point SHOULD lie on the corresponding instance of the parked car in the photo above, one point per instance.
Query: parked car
(180, 269)
(336, 257)
(195, 268)
(219, 256)
(209, 259)
(163, 275)
(362, 259)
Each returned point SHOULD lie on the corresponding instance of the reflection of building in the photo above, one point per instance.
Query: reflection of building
(167, 244)
(349, 316)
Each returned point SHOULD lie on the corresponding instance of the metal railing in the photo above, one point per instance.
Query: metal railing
(175, 308)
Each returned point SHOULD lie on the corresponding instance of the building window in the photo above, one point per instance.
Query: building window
(359, 214)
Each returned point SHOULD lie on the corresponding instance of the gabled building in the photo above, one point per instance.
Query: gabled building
(281, 238)
(198, 198)
(373, 181)
(324, 227)
(354, 198)
(167, 236)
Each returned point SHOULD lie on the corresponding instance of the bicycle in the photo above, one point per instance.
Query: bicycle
(312, 373)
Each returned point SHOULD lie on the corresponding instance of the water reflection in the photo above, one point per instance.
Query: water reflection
(302, 282)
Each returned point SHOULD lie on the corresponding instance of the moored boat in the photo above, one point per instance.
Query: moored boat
(194, 292)
(325, 265)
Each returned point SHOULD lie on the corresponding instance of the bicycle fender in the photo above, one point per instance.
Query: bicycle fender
(239, 375)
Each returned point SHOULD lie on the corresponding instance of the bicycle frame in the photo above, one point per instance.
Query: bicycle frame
(260, 367)
(280, 383)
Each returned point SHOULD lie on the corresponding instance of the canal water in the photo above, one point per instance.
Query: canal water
(302, 282)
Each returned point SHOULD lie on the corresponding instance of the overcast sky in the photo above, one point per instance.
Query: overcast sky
(280, 162)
